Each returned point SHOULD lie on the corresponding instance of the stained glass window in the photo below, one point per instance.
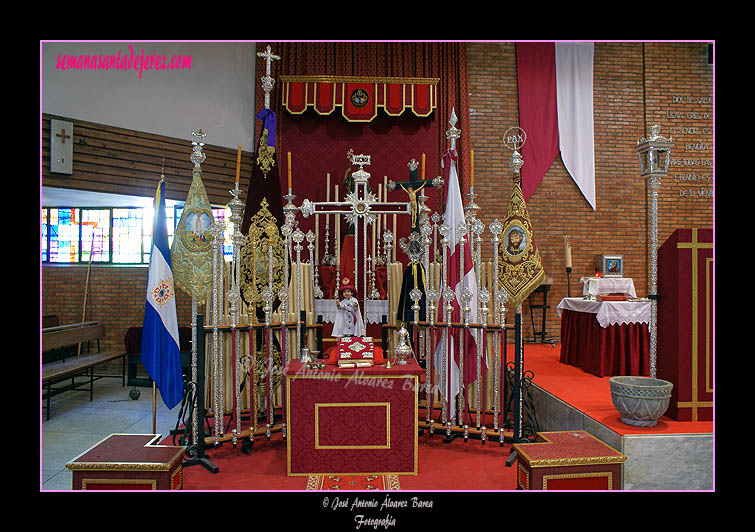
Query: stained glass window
(95, 235)
(127, 236)
(45, 213)
(64, 235)
(118, 235)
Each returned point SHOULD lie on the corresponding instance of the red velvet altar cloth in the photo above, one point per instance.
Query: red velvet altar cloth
(568, 460)
(128, 462)
(685, 323)
(604, 351)
(352, 421)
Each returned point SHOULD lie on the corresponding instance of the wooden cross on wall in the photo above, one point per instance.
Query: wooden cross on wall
(63, 136)
(61, 152)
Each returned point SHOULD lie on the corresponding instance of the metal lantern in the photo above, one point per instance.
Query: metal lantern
(655, 154)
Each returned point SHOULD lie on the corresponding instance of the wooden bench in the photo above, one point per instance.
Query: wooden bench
(71, 367)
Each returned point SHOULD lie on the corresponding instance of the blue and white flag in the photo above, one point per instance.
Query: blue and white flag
(160, 352)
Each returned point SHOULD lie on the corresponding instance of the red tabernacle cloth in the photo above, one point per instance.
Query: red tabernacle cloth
(604, 351)
(686, 319)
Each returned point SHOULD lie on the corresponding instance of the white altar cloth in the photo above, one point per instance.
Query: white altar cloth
(375, 309)
(608, 285)
(609, 312)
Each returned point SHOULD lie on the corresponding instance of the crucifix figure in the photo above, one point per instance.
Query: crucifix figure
(414, 186)
(414, 274)
(360, 207)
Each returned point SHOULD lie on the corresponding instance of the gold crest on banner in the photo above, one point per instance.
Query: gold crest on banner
(520, 265)
(191, 251)
(265, 155)
(255, 257)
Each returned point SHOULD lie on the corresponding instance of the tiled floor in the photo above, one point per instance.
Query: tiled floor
(76, 424)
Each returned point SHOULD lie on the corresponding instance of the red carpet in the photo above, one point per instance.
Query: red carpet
(592, 395)
(455, 466)
(442, 466)
(353, 482)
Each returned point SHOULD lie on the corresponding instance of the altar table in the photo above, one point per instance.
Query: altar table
(605, 338)
(352, 421)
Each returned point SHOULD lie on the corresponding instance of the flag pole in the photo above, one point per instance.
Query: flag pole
(154, 408)
(154, 385)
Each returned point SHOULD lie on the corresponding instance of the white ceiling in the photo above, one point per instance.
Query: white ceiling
(63, 197)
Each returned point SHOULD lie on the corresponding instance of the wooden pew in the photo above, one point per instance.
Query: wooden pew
(68, 368)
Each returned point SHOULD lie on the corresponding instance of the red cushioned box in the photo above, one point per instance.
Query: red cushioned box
(568, 460)
(356, 348)
(128, 462)
(352, 421)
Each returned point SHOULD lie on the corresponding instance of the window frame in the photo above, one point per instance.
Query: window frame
(176, 208)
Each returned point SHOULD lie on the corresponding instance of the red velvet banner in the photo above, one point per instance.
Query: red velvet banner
(538, 115)
(359, 101)
(360, 98)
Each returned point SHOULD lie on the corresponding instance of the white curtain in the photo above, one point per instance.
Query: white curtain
(574, 92)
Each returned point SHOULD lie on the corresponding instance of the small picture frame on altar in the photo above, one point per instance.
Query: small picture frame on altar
(610, 265)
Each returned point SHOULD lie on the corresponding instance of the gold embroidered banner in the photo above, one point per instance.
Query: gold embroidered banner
(191, 252)
(520, 265)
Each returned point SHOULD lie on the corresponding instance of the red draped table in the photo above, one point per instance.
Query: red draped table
(352, 421)
(605, 338)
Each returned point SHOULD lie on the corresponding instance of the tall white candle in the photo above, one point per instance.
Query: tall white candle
(380, 216)
(327, 197)
(385, 199)
(338, 231)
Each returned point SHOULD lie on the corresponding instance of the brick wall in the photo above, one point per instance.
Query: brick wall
(116, 298)
(635, 85)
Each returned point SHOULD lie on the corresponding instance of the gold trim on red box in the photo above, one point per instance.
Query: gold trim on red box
(87, 482)
(580, 461)
(180, 472)
(526, 472)
(546, 478)
(73, 465)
